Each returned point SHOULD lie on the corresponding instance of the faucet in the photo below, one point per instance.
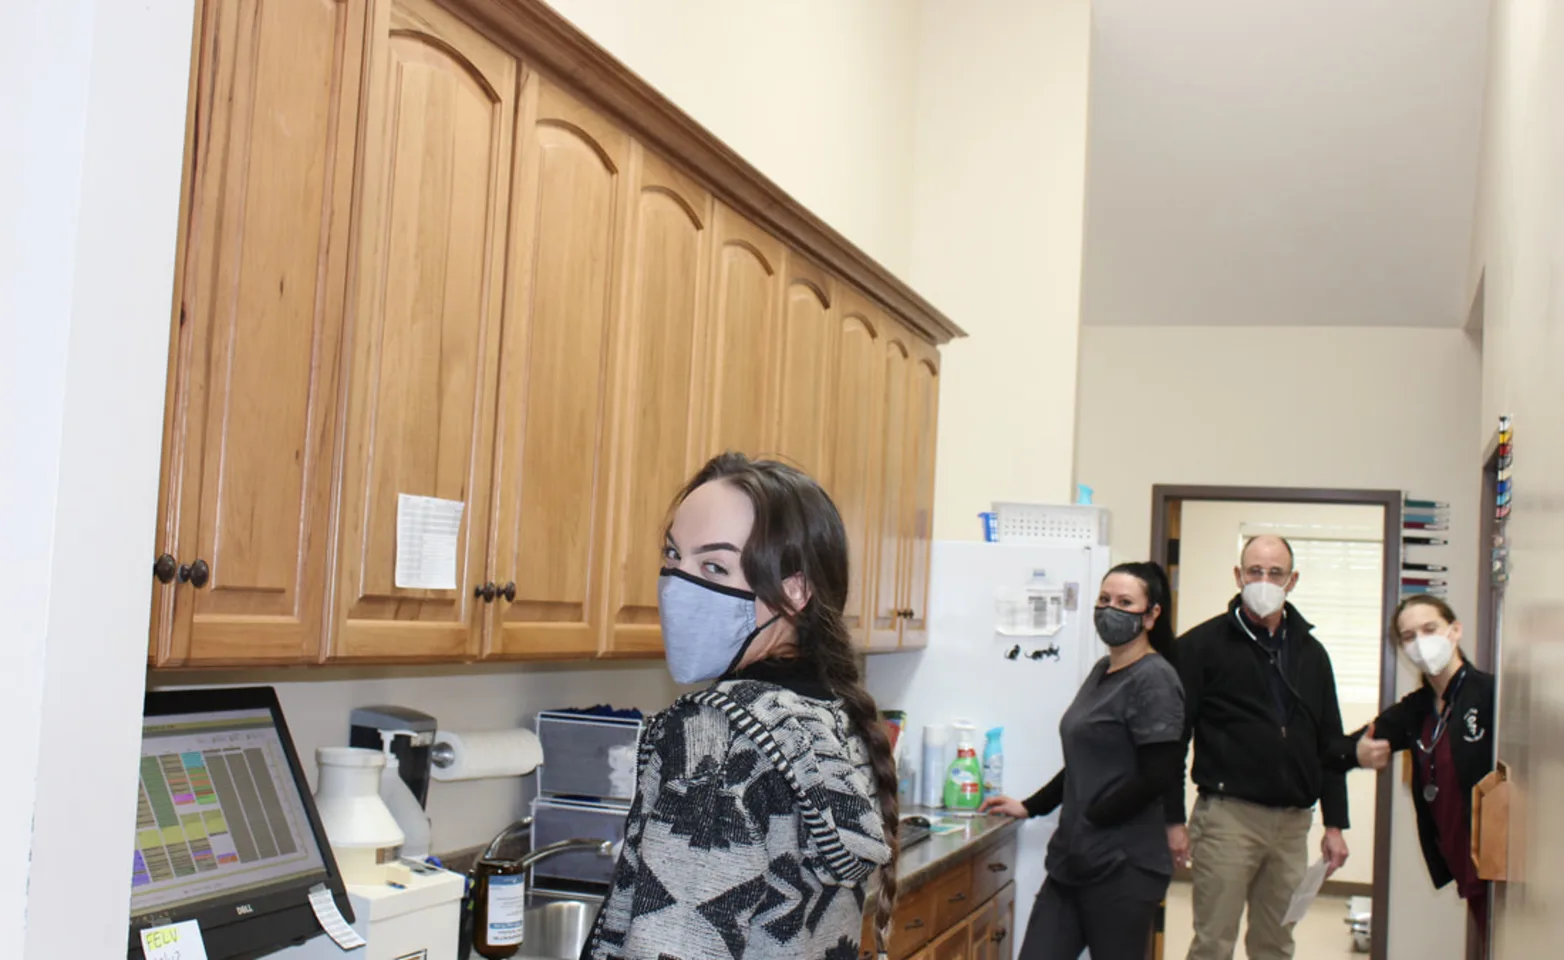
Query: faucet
(493, 849)
(603, 848)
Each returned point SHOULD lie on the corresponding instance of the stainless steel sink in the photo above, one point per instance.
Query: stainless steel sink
(556, 929)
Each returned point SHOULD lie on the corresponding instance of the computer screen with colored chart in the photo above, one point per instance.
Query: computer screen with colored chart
(218, 811)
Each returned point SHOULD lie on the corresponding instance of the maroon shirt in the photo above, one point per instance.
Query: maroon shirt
(1449, 812)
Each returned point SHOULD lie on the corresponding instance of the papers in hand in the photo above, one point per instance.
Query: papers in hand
(1303, 897)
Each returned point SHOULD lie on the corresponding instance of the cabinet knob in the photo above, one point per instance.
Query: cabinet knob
(486, 593)
(165, 568)
(1000, 935)
(509, 592)
(997, 868)
(196, 574)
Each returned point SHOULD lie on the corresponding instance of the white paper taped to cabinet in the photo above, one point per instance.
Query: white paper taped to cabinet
(483, 754)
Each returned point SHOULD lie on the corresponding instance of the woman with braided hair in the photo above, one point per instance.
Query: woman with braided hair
(766, 801)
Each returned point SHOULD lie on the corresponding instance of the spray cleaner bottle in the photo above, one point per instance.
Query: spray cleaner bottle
(993, 763)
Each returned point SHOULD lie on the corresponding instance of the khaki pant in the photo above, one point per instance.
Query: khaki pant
(1245, 855)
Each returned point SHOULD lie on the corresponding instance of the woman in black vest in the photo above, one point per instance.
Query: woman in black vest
(1447, 724)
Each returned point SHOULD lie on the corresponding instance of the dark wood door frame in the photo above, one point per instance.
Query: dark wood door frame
(1165, 495)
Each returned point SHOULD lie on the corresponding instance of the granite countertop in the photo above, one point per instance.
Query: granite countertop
(926, 860)
(919, 863)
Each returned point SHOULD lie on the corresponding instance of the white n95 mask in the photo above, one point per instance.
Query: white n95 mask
(706, 626)
(1430, 652)
(1263, 598)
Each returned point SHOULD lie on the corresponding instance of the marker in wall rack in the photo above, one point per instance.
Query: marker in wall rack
(1425, 541)
(1504, 461)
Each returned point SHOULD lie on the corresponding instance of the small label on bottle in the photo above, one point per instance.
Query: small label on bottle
(507, 908)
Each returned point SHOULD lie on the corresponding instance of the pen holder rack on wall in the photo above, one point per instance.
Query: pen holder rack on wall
(1504, 460)
(1425, 526)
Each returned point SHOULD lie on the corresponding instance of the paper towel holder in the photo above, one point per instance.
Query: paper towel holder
(442, 755)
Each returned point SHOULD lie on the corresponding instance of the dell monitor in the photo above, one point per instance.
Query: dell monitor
(226, 830)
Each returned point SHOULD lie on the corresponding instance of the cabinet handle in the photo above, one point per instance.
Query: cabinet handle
(958, 898)
(997, 868)
(508, 592)
(196, 574)
(485, 593)
(164, 568)
(1000, 935)
(916, 924)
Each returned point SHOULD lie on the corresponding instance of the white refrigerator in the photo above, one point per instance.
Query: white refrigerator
(1010, 640)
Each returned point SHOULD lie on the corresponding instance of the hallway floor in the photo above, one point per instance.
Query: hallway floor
(1322, 935)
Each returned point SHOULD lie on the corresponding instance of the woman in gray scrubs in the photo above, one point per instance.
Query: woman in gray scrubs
(1108, 862)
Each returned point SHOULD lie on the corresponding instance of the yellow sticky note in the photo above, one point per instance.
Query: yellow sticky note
(177, 941)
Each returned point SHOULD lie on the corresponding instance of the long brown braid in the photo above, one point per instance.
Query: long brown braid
(799, 532)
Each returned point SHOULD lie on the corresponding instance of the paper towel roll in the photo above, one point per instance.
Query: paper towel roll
(487, 753)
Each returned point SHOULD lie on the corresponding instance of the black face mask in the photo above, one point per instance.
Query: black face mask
(1117, 627)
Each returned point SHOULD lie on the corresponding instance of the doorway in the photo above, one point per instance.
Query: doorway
(1347, 549)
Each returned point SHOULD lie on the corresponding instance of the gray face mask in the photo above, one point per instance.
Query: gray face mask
(706, 627)
(1117, 627)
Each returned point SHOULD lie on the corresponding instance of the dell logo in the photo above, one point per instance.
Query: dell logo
(244, 909)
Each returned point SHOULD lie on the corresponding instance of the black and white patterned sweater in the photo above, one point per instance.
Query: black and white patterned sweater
(754, 832)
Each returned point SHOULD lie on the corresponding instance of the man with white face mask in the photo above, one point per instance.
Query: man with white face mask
(1261, 710)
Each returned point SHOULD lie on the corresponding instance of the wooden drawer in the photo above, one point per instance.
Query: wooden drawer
(912, 924)
(952, 896)
(992, 869)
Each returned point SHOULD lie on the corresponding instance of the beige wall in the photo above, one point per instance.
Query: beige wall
(946, 139)
(1208, 534)
(1294, 407)
(817, 94)
(999, 195)
(1521, 249)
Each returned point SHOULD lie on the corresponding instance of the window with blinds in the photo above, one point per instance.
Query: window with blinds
(1339, 584)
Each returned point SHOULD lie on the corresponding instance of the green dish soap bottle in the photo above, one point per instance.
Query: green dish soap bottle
(964, 780)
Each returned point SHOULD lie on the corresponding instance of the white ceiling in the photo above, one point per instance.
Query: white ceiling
(1283, 162)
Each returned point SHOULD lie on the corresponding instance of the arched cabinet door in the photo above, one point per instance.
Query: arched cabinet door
(853, 441)
(251, 421)
(893, 490)
(434, 204)
(918, 511)
(804, 358)
(659, 389)
(741, 342)
(552, 491)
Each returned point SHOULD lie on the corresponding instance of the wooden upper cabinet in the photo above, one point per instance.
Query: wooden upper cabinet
(254, 376)
(742, 340)
(804, 384)
(430, 260)
(918, 509)
(853, 444)
(658, 389)
(567, 233)
(892, 489)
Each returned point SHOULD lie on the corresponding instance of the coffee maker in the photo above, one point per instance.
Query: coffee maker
(411, 741)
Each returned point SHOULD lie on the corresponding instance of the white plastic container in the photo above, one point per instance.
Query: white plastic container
(422, 921)
(363, 833)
